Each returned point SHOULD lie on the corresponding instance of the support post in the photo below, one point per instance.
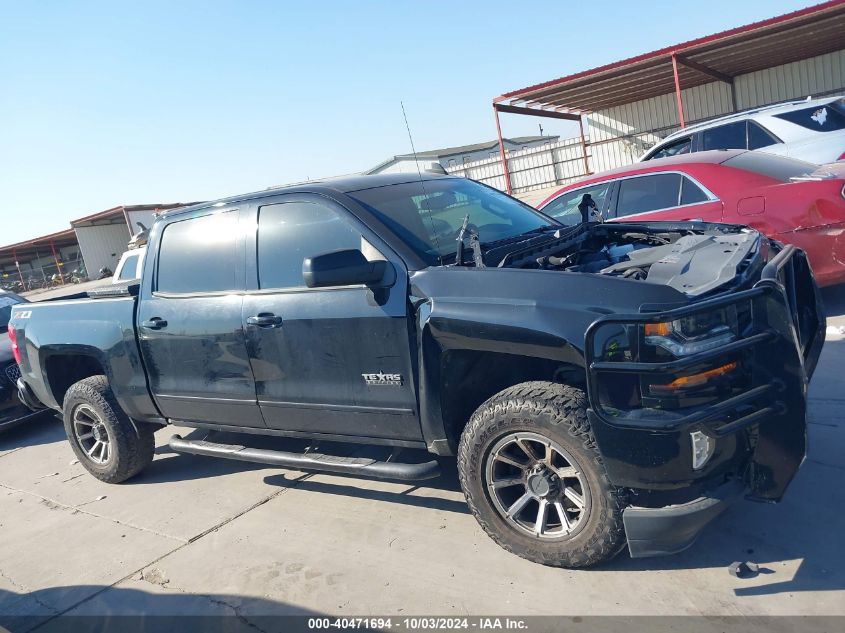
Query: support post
(502, 154)
(584, 146)
(18, 266)
(678, 91)
(58, 265)
(40, 265)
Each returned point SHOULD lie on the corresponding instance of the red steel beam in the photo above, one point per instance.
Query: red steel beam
(504, 158)
(584, 146)
(500, 107)
(678, 91)
(56, 259)
(705, 70)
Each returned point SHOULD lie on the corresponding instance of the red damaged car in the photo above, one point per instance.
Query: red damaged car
(789, 200)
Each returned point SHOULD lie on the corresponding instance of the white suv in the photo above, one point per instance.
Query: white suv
(812, 130)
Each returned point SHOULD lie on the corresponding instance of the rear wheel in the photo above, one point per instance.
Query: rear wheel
(534, 479)
(110, 445)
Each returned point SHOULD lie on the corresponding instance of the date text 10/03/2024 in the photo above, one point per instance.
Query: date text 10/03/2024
(418, 623)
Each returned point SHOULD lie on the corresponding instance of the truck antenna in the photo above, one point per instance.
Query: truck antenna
(424, 201)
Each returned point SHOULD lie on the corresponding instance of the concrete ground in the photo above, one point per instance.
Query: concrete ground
(194, 535)
(537, 196)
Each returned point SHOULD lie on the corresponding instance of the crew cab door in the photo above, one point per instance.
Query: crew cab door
(333, 360)
(189, 321)
(663, 196)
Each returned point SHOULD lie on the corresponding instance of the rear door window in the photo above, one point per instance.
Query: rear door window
(130, 264)
(691, 193)
(199, 255)
(729, 136)
(827, 118)
(564, 208)
(758, 136)
(641, 194)
(681, 146)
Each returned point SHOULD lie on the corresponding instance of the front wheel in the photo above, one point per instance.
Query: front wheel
(534, 479)
(106, 441)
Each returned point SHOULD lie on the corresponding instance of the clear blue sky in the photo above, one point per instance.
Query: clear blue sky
(108, 103)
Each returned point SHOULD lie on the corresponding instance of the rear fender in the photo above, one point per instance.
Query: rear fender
(112, 347)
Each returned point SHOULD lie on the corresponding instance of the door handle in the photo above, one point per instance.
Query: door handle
(264, 320)
(155, 323)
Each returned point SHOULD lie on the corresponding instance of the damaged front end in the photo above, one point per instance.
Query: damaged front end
(692, 405)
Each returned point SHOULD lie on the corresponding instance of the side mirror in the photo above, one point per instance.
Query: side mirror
(344, 268)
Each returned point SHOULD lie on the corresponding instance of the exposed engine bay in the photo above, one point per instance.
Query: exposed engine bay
(691, 260)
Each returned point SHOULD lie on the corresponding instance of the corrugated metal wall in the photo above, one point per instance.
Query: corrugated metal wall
(814, 76)
(102, 245)
(620, 135)
(530, 168)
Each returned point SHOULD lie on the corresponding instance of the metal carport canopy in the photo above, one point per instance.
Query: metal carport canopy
(805, 33)
(13, 253)
(816, 30)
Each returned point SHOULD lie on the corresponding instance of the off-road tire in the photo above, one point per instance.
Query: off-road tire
(559, 413)
(132, 443)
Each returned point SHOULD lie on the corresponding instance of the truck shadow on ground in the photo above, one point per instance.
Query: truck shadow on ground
(365, 489)
(128, 609)
(45, 428)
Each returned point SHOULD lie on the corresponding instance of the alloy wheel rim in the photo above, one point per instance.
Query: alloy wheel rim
(91, 434)
(536, 486)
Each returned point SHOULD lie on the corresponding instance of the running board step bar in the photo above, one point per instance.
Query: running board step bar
(363, 467)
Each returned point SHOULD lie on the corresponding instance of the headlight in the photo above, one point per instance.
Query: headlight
(693, 334)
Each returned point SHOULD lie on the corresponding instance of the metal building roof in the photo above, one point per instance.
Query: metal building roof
(460, 149)
(816, 30)
(37, 247)
(117, 215)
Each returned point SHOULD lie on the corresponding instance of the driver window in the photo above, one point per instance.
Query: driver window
(564, 208)
(291, 231)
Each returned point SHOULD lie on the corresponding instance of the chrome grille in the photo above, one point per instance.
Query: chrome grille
(13, 372)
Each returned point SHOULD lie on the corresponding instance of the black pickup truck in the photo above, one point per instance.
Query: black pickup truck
(600, 385)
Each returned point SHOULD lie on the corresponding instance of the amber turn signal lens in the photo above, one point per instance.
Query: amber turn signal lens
(658, 329)
(685, 382)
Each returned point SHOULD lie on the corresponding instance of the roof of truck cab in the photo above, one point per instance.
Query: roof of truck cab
(340, 184)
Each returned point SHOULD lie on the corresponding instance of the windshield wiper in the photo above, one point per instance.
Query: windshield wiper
(474, 244)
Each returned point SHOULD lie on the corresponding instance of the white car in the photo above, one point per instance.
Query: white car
(812, 130)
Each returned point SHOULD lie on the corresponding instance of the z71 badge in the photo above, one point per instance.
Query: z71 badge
(382, 379)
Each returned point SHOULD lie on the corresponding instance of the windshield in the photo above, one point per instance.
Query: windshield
(428, 215)
(6, 303)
